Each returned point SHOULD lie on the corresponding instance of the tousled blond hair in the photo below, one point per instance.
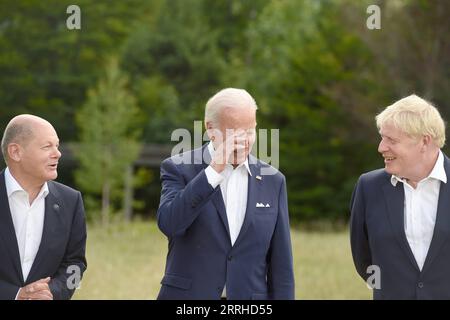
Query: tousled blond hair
(415, 117)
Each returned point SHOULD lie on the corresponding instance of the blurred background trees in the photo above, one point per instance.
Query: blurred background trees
(109, 133)
(316, 71)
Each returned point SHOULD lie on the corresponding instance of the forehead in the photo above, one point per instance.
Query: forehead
(238, 117)
(44, 132)
(397, 134)
(389, 129)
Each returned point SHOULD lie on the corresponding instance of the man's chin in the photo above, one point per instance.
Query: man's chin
(239, 162)
(389, 170)
(52, 176)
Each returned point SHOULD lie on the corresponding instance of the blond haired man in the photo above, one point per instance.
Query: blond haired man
(400, 219)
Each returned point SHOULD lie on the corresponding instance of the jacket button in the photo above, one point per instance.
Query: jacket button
(230, 257)
(420, 285)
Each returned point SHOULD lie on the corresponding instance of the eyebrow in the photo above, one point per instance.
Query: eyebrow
(50, 142)
(389, 137)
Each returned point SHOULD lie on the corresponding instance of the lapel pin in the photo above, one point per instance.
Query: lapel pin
(259, 177)
(56, 207)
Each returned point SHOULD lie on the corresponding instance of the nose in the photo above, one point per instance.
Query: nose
(382, 147)
(57, 153)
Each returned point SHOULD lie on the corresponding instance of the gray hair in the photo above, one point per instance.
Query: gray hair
(15, 132)
(229, 97)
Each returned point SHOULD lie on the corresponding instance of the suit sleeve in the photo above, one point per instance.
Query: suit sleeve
(181, 202)
(63, 283)
(358, 232)
(280, 276)
(8, 291)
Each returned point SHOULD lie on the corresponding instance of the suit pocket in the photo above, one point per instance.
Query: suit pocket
(260, 296)
(263, 211)
(176, 281)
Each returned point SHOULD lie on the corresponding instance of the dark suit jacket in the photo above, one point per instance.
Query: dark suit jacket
(201, 259)
(63, 243)
(378, 238)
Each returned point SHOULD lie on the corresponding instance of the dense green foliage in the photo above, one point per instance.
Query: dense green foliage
(316, 71)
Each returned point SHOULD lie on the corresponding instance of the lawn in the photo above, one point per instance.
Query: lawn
(126, 261)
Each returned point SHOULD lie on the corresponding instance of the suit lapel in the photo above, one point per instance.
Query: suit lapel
(218, 202)
(7, 232)
(202, 159)
(395, 198)
(254, 188)
(52, 222)
(442, 225)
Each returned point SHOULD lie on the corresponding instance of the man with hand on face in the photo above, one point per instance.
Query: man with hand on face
(227, 223)
(42, 224)
(400, 215)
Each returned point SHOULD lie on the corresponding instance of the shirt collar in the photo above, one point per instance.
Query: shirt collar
(13, 186)
(245, 163)
(437, 173)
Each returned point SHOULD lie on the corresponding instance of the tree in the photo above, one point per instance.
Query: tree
(46, 69)
(175, 63)
(412, 49)
(108, 124)
(300, 64)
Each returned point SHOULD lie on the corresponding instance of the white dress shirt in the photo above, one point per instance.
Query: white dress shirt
(234, 187)
(28, 220)
(420, 209)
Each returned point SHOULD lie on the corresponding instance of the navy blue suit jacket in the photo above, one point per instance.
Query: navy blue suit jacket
(201, 259)
(63, 243)
(378, 238)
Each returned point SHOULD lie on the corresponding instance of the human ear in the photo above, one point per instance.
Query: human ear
(210, 130)
(14, 152)
(426, 142)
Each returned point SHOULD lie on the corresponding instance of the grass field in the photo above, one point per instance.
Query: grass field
(126, 261)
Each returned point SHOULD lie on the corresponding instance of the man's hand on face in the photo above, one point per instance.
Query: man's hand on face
(231, 151)
(38, 290)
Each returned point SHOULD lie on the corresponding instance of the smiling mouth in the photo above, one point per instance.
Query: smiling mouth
(389, 158)
(53, 166)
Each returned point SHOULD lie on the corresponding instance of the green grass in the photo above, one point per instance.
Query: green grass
(126, 261)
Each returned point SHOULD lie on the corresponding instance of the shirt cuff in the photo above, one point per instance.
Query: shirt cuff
(214, 178)
(17, 294)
